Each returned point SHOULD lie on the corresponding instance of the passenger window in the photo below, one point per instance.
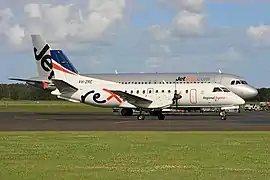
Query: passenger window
(186, 91)
(217, 89)
(156, 91)
(131, 91)
(162, 91)
(143, 91)
(150, 91)
(232, 83)
(137, 91)
(135, 82)
(169, 91)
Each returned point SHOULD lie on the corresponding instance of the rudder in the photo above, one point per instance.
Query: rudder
(43, 57)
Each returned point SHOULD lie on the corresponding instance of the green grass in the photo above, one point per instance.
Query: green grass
(48, 106)
(133, 155)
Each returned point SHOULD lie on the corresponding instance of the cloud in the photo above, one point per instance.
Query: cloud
(16, 34)
(188, 24)
(6, 17)
(190, 20)
(260, 35)
(33, 10)
(189, 5)
(62, 22)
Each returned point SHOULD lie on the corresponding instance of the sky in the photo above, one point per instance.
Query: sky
(101, 36)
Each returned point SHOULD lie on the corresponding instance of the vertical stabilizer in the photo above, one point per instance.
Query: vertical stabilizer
(43, 57)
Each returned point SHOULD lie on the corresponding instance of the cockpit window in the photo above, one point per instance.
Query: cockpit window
(238, 82)
(225, 89)
(244, 82)
(217, 89)
(232, 83)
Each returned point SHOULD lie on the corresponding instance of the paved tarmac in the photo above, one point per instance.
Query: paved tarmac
(112, 122)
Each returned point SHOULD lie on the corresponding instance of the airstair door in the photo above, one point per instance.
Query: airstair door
(193, 96)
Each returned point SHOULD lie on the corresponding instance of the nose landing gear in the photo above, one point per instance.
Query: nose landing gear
(223, 115)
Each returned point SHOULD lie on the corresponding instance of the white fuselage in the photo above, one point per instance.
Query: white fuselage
(193, 95)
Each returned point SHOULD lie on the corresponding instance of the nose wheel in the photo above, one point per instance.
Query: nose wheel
(161, 116)
(223, 115)
(141, 117)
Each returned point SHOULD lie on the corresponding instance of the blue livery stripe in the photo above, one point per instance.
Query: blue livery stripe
(62, 59)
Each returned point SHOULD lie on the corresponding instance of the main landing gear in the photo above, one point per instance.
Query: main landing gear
(223, 115)
(159, 114)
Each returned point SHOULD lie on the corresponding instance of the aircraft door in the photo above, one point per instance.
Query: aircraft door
(193, 96)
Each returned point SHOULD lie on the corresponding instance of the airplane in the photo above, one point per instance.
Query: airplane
(234, 83)
(74, 87)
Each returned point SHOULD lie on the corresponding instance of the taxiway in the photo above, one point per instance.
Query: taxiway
(255, 121)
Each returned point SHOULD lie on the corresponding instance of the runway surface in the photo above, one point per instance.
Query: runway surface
(111, 122)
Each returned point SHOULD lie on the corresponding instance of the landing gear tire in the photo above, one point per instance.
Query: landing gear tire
(223, 115)
(126, 112)
(161, 117)
(141, 117)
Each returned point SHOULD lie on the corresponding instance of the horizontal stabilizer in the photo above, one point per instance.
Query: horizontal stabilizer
(29, 80)
(132, 99)
(64, 87)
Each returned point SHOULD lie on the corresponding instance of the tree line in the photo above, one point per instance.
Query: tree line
(27, 92)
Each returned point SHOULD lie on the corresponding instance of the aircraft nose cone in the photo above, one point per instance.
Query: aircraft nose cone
(242, 101)
(250, 93)
(254, 92)
(239, 100)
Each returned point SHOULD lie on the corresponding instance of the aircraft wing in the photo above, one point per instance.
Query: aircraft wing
(64, 87)
(132, 99)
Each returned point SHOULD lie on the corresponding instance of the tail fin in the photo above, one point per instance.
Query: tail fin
(62, 59)
(43, 57)
(54, 64)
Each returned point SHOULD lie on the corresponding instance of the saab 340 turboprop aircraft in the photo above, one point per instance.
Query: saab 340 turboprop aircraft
(234, 83)
(143, 97)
